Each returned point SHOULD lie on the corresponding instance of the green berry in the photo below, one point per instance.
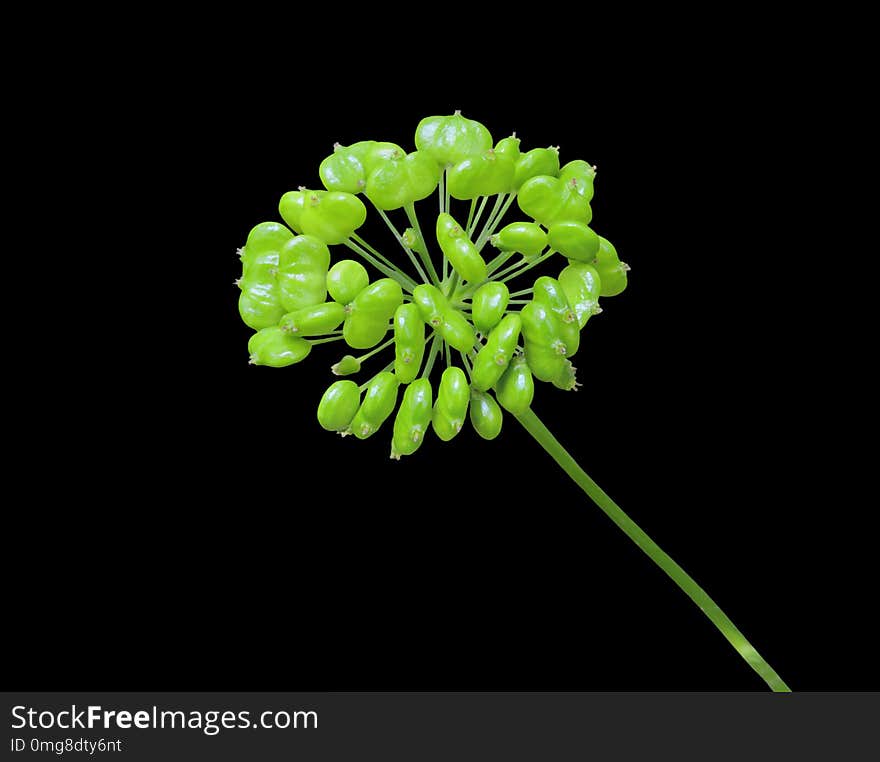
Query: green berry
(302, 272)
(582, 287)
(516, 388)
(453, 396)
(409, 342)
(612, 272)
(492, 360)
(332, 216)
(413, 419)
(346, 279)
(574, 240)
(548, 292)
(488, 305)
(313, 321)
(379, 400)
(452, 139)
(458, 248)
(486, 416)
(538, 161)
(528, 238)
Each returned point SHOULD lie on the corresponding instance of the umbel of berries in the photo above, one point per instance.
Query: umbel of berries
(479, 303)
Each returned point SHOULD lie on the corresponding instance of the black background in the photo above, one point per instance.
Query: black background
(205, 533)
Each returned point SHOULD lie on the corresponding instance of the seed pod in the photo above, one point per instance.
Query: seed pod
(452, 139)
(458, 248)
(431, 303)
(346, 366)
(516, 388)
(540, 326)
(548, 200)
(483, 175)
(413, 419)
(262, 246)
(544, 362)
(277, 349)
(488, 305)
(339, 405)
(409, 342)
(346, 279)
(362, 330)
(381, 297)
(259, 303)
(331, 216)
(393, 184)
(314, 320)
(538, 161)
(509, 147)
(414, 241)
(290, 207)
(574, 240)
(456, 330)
(565, 378)
(453, 396)
(492, 360)
(582, 286)
(373, 154)
(528, 238)
(378, 403)
(342, 171)
(486, 416)
(548, 292)
(302, 272)
(612, 272)
(582, 174)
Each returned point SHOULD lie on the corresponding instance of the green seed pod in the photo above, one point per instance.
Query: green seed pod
(453, 396)
(462, 254)
(548, 200)
(413, 419)
(548, 292)
(565, 378)
(540, 326)
(452, 139)
(262, 246)
(302, 272)
(544, 362)
(314, 320)
(339, 405)
(342, 171)
(528, 238)
(409, 342)
(582, 287)
(583, 175)
(486, 416)
(277, 349)
(492, 360)
(612, 272)
(346, 279)
(482, 175)
(259, 303)
(332, 216)
(379, 401)
(362, 330)
(381, 297)
(431, 303)
(509, 147)
(516, 388)
(574, 240)
(456, 330)
(290, 207)
(346, 366)
(373, 154)
(538, 161)
(369, 313)
(488, 305)
(394, 184)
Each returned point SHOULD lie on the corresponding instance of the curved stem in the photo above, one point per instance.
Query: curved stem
(728, 629)
(413, 218)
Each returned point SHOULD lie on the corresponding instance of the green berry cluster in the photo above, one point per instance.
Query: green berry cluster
(495, 342)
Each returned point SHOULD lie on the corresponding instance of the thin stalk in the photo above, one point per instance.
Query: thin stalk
(494, 222)
(470, 218)
(728, 629)
(484, 233)
(406, 283)
(448, 206)
(473, 226)
(326, 340)
(524, 292)
(376, 350)
(441, 190)
(493, 264)
(399, 239)
(413, 218)
(530, 265)
(432, 355)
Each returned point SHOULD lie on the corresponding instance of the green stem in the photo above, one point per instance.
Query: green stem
(467, 227)
(406, 283)
(378, 349)
(529, 266)
(327, 340)
(399, 239)
(413, 218)
(555, 450)
(524, 292)
(472, 226)
(493, 264)
(441, 190)
(486, 231)
(494, 221)
(432, 355)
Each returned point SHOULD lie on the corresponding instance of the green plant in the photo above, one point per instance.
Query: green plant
(494, 342)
